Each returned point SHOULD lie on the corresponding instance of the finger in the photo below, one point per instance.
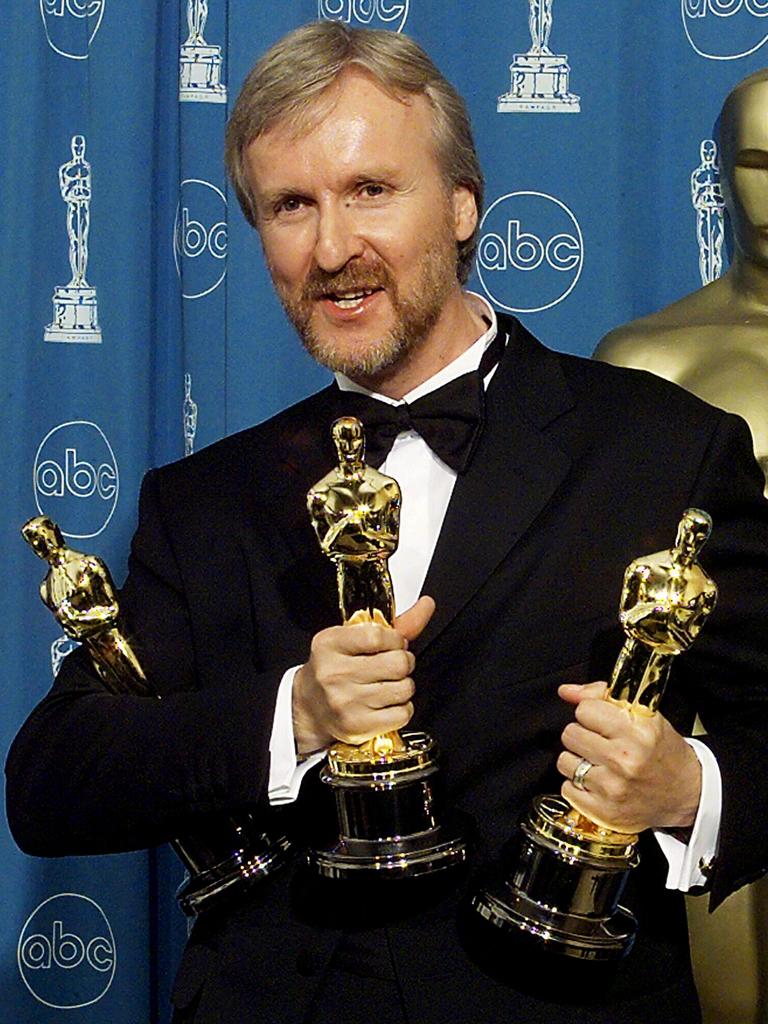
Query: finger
(341, 670)
(585, 802)
(602, 811)
(574, 693)
(383, 668)
(607, 719)
(367, 723)
(413, 621)
(585, 743)
(567, 763)
(364, 638)
(389, 694)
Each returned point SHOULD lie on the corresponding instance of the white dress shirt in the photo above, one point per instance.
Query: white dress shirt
(426, 485)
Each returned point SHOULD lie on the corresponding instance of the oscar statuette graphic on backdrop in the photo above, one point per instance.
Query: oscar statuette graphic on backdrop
(200, 63)
(709, 204)
(75, 312)
(539, 78)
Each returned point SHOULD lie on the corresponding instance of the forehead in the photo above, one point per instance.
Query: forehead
(750, 117)
(353, 121)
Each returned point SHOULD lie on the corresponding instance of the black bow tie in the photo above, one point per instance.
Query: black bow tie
(450, 419)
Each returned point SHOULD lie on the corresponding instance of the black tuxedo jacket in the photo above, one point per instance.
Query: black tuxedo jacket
(581, 468)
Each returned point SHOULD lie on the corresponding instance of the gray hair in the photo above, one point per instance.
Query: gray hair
(287, 81)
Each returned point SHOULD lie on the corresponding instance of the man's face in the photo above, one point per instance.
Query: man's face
(358, 229)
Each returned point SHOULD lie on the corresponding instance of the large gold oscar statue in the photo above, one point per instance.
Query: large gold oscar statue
(389, 819)
(230, 853)
(570, 869)
(79, 591)
(714, 342)
(355, 511)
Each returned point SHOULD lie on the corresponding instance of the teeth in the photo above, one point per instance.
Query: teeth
(351, 299)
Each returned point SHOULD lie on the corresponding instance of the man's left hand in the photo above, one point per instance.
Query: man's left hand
(643, 774)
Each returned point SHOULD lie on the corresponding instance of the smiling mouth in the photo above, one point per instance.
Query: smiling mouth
(350, 299)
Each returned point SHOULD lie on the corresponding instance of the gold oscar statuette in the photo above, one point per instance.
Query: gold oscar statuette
(384, 788)
(232, 851)
(570, 870)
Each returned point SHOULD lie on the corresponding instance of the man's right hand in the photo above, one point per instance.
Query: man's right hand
(357, 682)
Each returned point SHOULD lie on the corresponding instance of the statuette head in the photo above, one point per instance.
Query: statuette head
(43, 536)
(349, 439)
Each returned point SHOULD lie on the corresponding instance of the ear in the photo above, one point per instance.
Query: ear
(464, 212)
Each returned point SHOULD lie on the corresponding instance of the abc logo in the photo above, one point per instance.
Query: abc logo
(70, 25)
(531, 252)
(66, 952)
(200, 238)
(76, 479)
(725, 29)
(391, 14)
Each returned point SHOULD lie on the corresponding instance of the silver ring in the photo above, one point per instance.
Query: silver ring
(582, 768)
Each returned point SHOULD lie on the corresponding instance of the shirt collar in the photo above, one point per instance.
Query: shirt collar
(468, 360)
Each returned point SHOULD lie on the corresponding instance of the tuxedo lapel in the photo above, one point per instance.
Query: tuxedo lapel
(304, 453)
(514, 473)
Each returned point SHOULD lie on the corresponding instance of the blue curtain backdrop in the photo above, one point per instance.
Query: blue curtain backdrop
(138, 322)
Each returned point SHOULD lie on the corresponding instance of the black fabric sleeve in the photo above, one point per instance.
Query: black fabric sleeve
(91, 772)
(727, 668)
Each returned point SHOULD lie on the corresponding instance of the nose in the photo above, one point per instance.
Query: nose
(338, 240)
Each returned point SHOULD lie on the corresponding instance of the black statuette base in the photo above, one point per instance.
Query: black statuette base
(215, 880)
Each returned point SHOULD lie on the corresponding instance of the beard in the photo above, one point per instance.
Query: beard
(415, 312)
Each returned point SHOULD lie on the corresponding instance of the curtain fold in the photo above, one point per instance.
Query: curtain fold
(139, 324)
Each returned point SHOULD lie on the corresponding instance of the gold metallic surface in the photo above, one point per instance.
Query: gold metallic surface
(665, 600)
(412, 758)
(714, 342)
(355, 511)
(80, 592)
(575, 835)
(232, 852)
(388, 812)
(571, 869)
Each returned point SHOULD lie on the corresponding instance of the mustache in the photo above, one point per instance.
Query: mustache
(351, 277)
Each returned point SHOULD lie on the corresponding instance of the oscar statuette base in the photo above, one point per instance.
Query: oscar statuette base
(539, 85)
(75, 316)
(222, 870)
(388, 826)
(200, 74)
(565, 888)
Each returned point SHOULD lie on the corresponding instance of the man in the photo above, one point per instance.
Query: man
(354, 160)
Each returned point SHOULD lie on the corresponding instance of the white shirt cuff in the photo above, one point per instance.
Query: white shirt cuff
(689, 863)
(285, 772)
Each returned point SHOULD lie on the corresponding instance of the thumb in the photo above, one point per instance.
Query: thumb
(411, 623)
(575, 693)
